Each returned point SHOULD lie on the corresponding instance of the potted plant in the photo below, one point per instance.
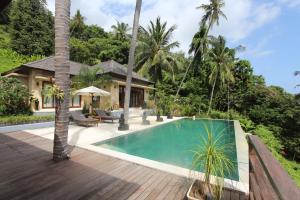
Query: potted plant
(210, 156)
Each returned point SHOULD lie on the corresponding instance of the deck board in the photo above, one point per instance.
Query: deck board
(27, 172)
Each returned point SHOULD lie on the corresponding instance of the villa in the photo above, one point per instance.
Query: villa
(38, 74)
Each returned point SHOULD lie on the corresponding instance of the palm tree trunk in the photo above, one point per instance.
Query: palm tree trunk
(131, 59)
(211, 96)
(62, 78)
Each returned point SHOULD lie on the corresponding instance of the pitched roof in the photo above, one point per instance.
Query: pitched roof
(48, 64)
(112, 66)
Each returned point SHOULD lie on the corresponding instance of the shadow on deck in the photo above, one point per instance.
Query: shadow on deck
(27, 172)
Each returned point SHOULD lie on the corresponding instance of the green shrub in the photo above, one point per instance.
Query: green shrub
(268, 138)
(23, 119)
(190, 106)
(14, 97)
(246, 123)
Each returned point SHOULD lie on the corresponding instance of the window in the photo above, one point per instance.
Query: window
(136, 97)
(75, 101)
(49, 102)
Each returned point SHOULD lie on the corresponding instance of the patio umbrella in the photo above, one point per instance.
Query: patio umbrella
(91, 91)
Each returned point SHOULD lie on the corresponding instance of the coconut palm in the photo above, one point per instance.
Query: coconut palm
(154, 50)
(77, 25)
(120, 30)
(131, 59)
(212, 13)
(62, 78)
(221, 59)
(199, 48)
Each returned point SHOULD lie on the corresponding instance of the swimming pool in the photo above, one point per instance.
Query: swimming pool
(173, 143)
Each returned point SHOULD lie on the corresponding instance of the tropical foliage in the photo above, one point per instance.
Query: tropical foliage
(221, 59)
(14, 97)
(31, 37)
(121, 31)
(154, 50)
(205, 76)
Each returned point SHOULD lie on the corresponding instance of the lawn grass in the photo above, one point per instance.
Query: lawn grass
(23, 119)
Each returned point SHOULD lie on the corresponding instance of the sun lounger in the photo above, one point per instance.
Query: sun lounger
(103, 116)
(81, 120)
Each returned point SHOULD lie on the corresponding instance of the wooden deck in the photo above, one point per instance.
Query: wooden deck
(27, 172)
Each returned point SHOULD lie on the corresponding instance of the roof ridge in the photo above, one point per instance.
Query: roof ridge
(37, 61)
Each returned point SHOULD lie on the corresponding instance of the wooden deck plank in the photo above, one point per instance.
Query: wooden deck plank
(29, 173)
(151, 184)
(110, 189)
(162, 184)
(128, 189)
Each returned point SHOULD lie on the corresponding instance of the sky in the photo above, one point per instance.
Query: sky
(269, 29)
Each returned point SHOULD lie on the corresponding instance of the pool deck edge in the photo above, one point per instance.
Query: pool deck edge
(242, 150)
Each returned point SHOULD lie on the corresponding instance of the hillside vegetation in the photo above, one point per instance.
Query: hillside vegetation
(210, 81)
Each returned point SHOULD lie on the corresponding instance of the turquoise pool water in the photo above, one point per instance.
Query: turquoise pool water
(173, 142)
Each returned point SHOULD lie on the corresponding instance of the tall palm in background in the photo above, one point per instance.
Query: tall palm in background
(77, 25)
(222, 60)
(199, 48)
(213, 12)
(62, 78)
(120, 30)
(153, 52)
(131, 59)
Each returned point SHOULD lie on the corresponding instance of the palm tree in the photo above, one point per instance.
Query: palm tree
(199, 48)
(213, 11)
(131, 59)
(62, 78)
(154, 50)
(222, 60)
(77, 25)
(121, 30)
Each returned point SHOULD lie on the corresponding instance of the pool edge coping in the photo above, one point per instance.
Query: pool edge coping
(243, 163)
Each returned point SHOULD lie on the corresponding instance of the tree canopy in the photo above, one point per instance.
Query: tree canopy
(32, 28)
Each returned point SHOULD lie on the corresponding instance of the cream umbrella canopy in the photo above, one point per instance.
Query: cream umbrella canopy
(91, 91)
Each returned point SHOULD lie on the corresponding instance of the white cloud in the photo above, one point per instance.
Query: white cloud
(290, 3)
(244, 16)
